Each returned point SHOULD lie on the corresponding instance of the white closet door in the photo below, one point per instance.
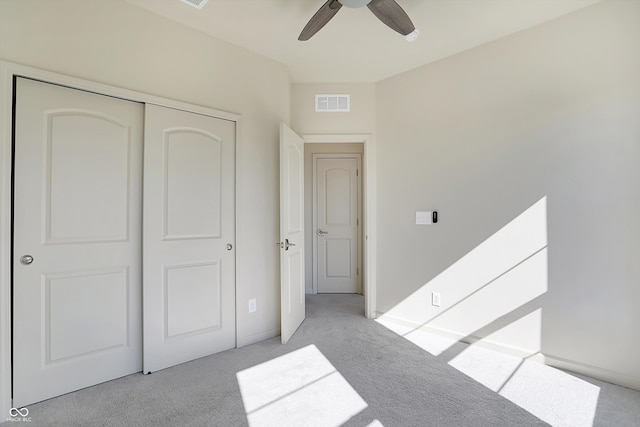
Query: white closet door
(77, 240)
(189, 232)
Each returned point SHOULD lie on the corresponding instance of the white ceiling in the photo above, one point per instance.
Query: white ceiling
(354, 46)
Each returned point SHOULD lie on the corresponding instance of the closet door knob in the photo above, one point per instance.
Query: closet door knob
(26, 259)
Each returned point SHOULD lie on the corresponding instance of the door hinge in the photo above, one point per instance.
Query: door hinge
(357, 271)
(357, 172)
(357, 221)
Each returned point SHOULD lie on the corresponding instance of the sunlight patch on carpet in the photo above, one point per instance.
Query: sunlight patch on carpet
(434, 343)
(488, 367)
(299, 388)
(554, 396)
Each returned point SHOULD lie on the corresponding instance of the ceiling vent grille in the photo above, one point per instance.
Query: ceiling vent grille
(198, 4)
(333, 103)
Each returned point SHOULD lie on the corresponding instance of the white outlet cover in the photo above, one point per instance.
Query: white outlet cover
(435, 299)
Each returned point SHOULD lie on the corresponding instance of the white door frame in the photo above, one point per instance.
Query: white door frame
(314, 213)
(369, 209)
(8, 71)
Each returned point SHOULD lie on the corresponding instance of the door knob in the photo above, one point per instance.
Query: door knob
(322, 232)
(229, 246)
(26, 259)
(287, 244)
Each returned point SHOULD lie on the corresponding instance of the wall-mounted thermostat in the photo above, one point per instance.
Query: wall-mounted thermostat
(426, 217)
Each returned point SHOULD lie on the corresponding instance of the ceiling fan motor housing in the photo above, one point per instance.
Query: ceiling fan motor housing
(354, 3)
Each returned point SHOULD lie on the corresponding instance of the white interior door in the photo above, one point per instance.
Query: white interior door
(189, 237)
(77, 240)
(336, 212)
(291, 232)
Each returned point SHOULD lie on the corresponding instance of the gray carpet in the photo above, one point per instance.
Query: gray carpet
(358, 374)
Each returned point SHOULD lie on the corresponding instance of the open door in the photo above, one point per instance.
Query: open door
(292, 291)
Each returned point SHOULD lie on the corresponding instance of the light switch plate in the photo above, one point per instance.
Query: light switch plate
(252, 305)
(424, 217)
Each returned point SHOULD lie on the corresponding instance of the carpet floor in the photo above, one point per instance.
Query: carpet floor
(341, 369)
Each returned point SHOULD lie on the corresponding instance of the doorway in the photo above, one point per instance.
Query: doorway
(337, 208)
(342, 250)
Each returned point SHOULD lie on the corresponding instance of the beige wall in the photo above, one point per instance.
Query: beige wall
(361, 118)
(116, 43)
(548, 115)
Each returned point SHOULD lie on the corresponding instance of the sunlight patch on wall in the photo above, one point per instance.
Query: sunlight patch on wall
(511, 290)
(491, 298)
(299, 388)
(524, 335)
(490, 284)
(505, 250)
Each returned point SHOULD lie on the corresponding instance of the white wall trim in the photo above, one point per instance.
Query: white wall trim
(6, 107)
(13, 69)
(591, 371)
(238, 229)
(8, 71)
(369, 203)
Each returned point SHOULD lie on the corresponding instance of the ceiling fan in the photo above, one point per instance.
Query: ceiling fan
(388, 11)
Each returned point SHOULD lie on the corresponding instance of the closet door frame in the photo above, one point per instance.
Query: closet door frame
(8, 73)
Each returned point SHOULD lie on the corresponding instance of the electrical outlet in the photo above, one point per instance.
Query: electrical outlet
(252, 306)
(435, 299)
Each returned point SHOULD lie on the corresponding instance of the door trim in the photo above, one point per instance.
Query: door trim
(359, 234)
(8, 72)
(369, 201)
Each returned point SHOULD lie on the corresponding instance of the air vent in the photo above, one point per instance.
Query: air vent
(332, 103)
(198, 4)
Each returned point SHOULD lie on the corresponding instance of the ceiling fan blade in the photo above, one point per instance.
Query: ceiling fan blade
(391, 14)
(320, 19)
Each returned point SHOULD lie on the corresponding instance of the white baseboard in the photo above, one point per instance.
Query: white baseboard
(592, 371)
(544, 358)
(260, 336)
(491, 345)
